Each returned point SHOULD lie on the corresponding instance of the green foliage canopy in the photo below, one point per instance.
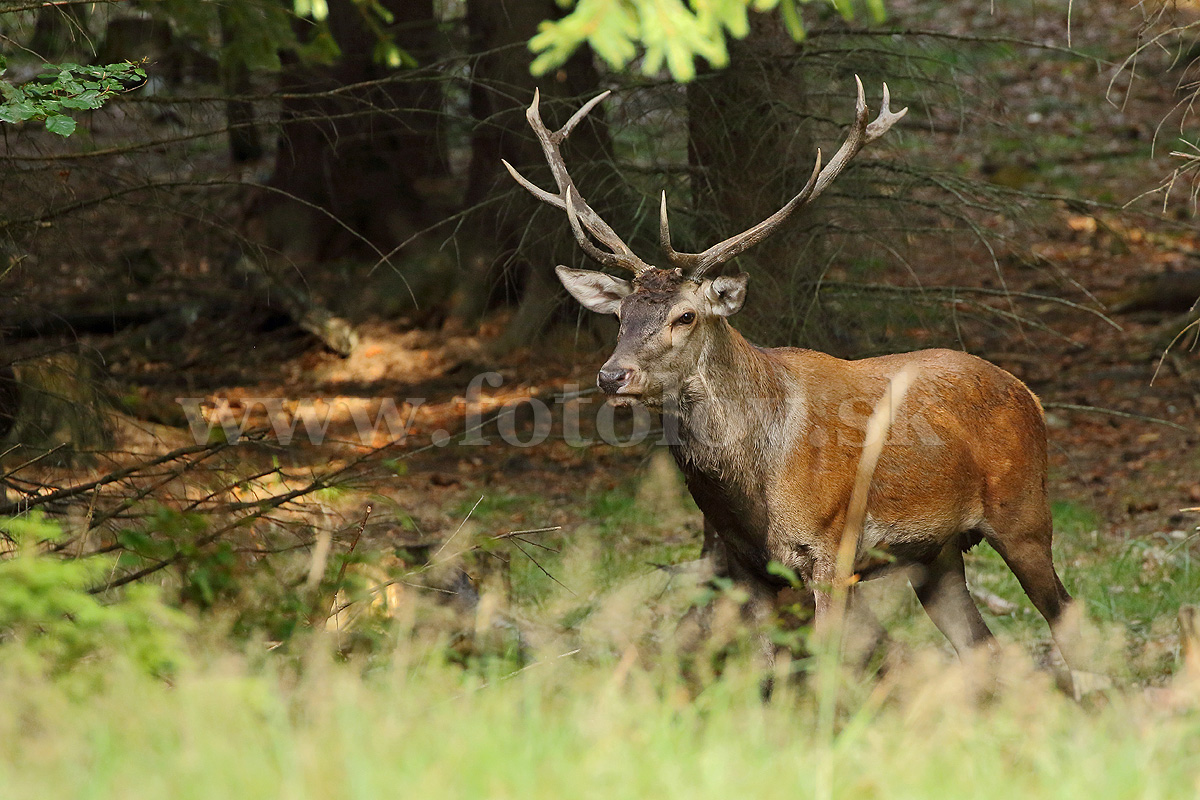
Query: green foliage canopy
(674, 32)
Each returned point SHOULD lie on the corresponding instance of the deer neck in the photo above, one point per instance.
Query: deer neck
(731, 410)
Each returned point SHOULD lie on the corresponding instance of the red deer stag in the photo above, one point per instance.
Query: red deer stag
(769, 438)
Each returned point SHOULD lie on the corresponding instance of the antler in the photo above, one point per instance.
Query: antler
(568, 198)
(861, 134)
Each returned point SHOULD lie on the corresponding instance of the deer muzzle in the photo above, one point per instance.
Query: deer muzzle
(612, 380)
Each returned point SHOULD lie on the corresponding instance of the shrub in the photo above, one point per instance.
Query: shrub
(50, 619)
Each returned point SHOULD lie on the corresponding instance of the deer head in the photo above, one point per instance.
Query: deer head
(671, 318)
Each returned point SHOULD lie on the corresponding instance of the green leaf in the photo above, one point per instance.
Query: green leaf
(11, 92)
(62, 125)
(671, 33)
(791, 20)
(395, 57)
(844, 8)
(19, 111)
(609, 26)
(64, 86)
(377, 8)
(32, 529)
(781, 570)
(322, 48)
(84, 100)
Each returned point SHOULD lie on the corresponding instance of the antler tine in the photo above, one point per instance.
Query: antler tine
(533, 188)
(861, 133)
(886, 119)
(622, 255)
(611, 260)
(577, 117)
(682, 260)
(734, 245)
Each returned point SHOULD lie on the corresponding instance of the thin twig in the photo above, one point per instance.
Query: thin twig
(947, 293)
(362, 526)
(1193, 324)
(129, 502)
(32, 461)
(1114, 413)
(517, 672)
(517, 543)
(459, 528)
(431, 564)
(112, 477)
(266, 506)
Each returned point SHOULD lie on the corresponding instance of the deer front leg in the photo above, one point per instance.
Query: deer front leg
(864, 634)
(759, 607)
(861, 632)
(714, 550)
(823, 574)
(696, 624)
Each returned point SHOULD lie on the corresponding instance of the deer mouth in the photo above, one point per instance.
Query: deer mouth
(624, 399)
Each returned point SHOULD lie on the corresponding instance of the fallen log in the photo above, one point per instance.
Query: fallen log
(92, 319)
(334, 332)
(1170, 292)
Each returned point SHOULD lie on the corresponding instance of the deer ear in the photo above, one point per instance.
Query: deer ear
(726, 294)
(595, 291)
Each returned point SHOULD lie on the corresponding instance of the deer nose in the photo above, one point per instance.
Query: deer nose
(611, 379)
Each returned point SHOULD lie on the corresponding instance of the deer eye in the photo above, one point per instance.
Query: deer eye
(686, 318)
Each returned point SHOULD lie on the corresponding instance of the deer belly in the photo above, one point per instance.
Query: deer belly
(886, 546)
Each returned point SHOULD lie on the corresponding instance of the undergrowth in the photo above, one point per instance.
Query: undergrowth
(563, 675)
(580, 726)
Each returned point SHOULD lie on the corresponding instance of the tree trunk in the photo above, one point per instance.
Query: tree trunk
(515, 241)
(359, 156)
(10, 397)
(244, 141)
(751, 150)
(58, 30)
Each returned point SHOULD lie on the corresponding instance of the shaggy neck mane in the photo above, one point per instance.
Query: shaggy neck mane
(728, 408)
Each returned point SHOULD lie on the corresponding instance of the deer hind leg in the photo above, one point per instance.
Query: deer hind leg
(941, 586)
(1025, 547)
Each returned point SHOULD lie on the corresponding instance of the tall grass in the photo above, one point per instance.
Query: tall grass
(571, 688)
(579, 728)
